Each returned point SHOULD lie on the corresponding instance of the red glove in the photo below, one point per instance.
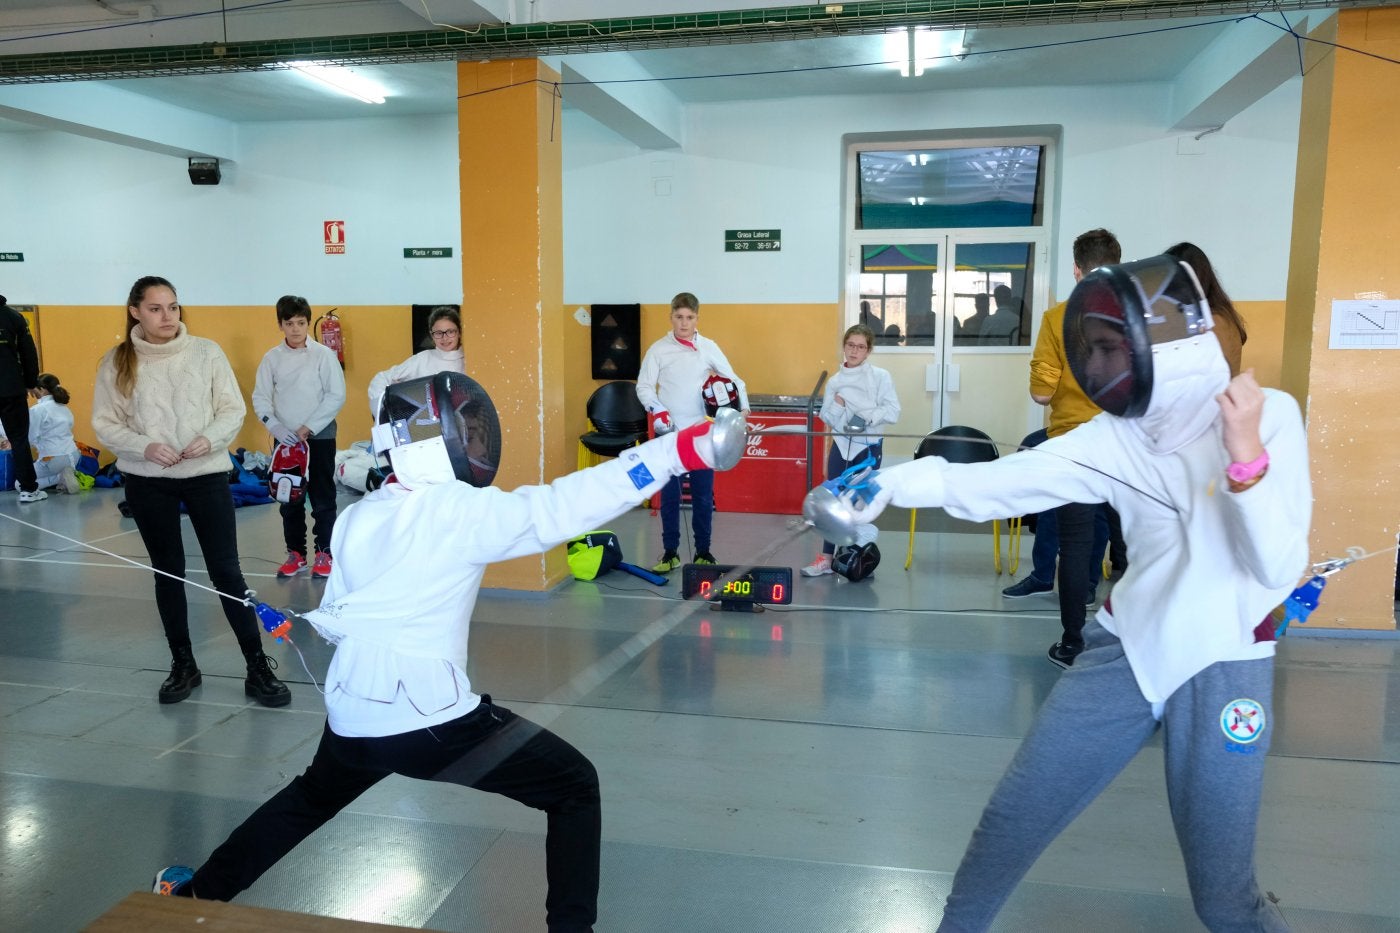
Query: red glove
(661, 423)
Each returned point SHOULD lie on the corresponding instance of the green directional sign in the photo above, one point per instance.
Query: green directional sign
(11, 257)
(427, 252)
(752, 241)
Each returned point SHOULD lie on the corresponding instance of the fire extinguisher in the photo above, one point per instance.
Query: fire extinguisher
(327, 331)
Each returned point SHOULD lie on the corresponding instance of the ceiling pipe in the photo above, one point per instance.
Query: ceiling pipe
(495, 41)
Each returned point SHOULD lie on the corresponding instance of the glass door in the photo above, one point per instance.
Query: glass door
(997, 288)
(953, 319)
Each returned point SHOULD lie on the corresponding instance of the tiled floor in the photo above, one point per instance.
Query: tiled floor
(814, 768)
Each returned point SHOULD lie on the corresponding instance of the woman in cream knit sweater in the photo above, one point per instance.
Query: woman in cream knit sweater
(168, 405)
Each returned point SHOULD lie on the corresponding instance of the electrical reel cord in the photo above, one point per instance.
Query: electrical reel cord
(264, 612)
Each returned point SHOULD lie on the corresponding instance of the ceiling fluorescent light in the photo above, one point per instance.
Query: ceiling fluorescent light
(342, 80)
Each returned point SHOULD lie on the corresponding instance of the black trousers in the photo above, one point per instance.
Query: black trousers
(155, 505)
(489, 749)
(14, 415)
(1075, 524)
(320, 490)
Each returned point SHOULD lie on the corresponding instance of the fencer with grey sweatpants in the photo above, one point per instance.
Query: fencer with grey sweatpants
(1213, 746)
(1182, 644)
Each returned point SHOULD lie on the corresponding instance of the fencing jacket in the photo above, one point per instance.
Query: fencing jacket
(673, 376)
(868, 391)
(409, 563)
(1207, 564)
(51, 428)
(427, 362)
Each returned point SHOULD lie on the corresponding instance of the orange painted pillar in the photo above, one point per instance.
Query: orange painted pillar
(1346, 240)
(513, 323)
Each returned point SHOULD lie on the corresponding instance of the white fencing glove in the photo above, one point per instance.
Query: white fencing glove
(280, 432)
(661, 423)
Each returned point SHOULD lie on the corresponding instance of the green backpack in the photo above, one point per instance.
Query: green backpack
(594, 554)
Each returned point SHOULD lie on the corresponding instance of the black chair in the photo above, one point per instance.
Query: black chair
(619, 421)
(958, 443)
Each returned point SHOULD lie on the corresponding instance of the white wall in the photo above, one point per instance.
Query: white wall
(639, 226)
(90, 217)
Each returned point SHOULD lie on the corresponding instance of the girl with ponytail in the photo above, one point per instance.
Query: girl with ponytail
(51, 435)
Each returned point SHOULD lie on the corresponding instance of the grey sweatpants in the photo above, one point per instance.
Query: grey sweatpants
(1216, 732)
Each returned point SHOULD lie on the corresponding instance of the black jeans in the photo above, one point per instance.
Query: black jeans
(14, 416)
(155, 504)
(320, 489)
(1075, 523)
(490, 749)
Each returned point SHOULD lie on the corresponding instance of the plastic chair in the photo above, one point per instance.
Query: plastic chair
(619, 421)
(960, 444)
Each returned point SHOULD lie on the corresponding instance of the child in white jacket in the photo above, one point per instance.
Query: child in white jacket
(859, 401)
(51, 434)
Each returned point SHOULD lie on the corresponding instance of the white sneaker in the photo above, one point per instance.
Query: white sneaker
(818, 567)
(69, 482)
(37, 495)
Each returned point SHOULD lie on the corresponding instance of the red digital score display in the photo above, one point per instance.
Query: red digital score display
(726, 583)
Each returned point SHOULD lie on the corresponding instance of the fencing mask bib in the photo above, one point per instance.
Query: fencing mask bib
(719, 392)
(286, 475)
(439, 429)
(855, 562)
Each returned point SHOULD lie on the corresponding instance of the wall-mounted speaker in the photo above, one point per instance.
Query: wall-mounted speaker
(616, 337)
(204, 171)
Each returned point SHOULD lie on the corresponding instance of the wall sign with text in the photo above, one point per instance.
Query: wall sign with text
(335, 237)
(752, 241)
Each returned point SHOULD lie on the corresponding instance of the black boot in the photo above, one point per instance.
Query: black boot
(184, 676)
(262, 686)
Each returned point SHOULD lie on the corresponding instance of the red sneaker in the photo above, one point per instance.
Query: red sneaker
(322, 567)
(293, 565)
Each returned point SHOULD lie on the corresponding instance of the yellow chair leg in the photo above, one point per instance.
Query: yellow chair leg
(1014, 545)
(909, 557)
(996, 544)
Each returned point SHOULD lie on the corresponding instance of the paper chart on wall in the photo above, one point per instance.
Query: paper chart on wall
(1365, 324)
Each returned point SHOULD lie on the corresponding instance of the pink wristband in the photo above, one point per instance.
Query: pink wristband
(1244, 472)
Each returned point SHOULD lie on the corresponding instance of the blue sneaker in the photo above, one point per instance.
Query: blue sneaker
(172, 880)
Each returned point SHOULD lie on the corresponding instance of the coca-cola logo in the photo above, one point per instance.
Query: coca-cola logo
(755, 446)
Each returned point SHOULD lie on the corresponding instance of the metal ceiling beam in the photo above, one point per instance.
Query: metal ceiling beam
(623, 34)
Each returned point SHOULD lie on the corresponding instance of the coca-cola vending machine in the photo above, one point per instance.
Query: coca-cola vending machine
(773, 476)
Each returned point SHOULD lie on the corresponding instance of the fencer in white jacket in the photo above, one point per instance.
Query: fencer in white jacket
(1211, 478)
(859, 401)
(410, 558)
(670, 385)
(51, 436)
